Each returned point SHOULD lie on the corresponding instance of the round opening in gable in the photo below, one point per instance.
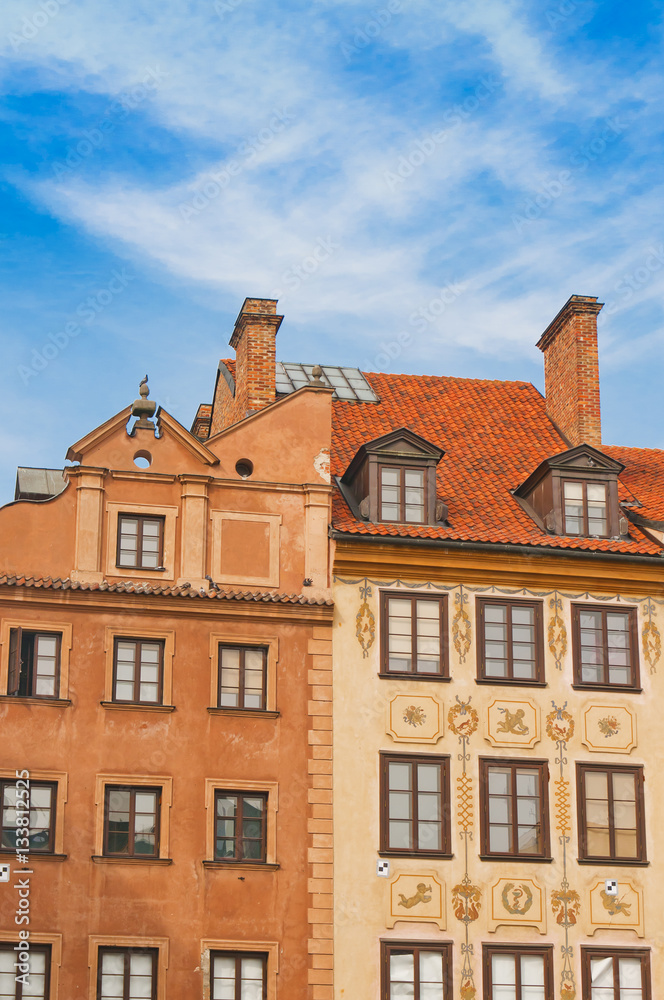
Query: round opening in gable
(143, 459)
(244, 468)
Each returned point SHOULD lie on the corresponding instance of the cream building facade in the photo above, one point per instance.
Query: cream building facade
(497, 661)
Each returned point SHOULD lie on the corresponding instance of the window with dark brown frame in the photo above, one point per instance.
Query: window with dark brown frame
(235, 975)
(39, 977)
(418, 970)
(34, 664)
(510, 647)
(585, 508)
(140, 541)
(413, 635)
(127, 973)
(131, 821)
(518, 972)
(606, 646)
(240, 826)
(514, 809)
(615, 973)
(402, 494)
(611, 813)
(138, 671)
(40, 800)
(415, 805)
(242, 677)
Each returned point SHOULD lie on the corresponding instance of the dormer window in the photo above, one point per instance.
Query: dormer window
(393, 480)
(575, 494)
(402, 495)
(585, 509)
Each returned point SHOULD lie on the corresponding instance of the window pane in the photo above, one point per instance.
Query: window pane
(596, 785)
(499, 781)
(389, 477)
(431, 967)
(630, 973)
(500, 839)
(601, 972)
(400, 805)
(400, 776)
(532, 970)
(402, 968)
(503, 970)
(401, 835)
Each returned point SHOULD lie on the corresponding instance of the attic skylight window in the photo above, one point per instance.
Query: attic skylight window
(585, 509)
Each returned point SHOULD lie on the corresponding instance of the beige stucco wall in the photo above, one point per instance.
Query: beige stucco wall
(361, 710)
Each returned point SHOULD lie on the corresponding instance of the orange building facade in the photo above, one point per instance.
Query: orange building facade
(165, 679)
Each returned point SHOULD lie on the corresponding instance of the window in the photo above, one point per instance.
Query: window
(34, 664)
(37, 987)
(138, 667)
(402, 494)
(240, 820)
(238, 975)
(510, 646)
(131, 821)
(242, 677)
(611, 814)
(127, 974)
(415, 795)
(518, 972)
(420, 971)
(41, 799)
(414, 636)
(514, 809)
(140, 541)
(616, 974)
(585, 508)
(605, 646)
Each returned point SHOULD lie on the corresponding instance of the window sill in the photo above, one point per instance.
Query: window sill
(135, 570)
(524, 859)
(133, 706)
(102, 859)
(613, 861)
(34, 856)
(417, 855)
(616, 688)
(394, 675)
(242, 713)
(9, 699)
(510, 682)
(245, 866)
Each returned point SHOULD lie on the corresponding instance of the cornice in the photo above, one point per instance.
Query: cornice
(532, 569)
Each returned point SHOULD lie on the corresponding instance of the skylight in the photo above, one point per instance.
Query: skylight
(348, 383)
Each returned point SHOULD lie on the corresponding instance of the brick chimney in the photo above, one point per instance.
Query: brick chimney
(254, 340)
(571, 370)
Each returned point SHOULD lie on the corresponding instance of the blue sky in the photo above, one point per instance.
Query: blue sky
(421, 183)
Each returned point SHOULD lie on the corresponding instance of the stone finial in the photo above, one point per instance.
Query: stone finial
(143, 408)
(316, 373)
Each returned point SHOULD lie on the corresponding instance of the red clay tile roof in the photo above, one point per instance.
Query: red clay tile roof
(230, 364)
(131, 587)
(494, 435)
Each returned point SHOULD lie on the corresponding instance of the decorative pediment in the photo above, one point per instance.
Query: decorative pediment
(401, 443)
(584, 459)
